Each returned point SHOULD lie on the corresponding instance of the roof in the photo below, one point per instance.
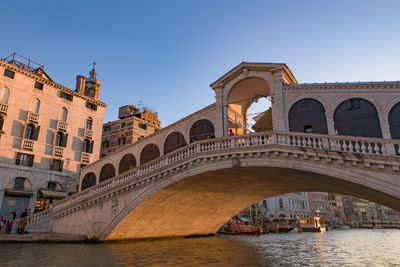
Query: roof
(253, 66)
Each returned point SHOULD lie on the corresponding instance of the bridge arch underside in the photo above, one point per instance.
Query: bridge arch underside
(201, 204)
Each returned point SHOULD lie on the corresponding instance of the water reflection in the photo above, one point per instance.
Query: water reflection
(333, 248)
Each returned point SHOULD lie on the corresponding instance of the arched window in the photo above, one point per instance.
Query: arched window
(35, 105)
(200, 130)
(123, 140)
(1, 122)
(29, 131)
(174, 141)
(89, 123)
(357, 117)
(149, 153)
(394, 121)
(88, 180)
(59, 139)
(4, 95)
(87, 146)
(281, 203)
(64, 114)
(127, 162)
(106, 143)
(308, 115)
(107, 172)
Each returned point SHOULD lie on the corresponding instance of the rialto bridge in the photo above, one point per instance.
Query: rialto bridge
(190, 177)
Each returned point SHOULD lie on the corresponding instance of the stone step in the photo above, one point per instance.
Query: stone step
(39, 237)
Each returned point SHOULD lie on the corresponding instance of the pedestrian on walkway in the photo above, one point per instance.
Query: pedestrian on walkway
(21, 225)
(231, 132)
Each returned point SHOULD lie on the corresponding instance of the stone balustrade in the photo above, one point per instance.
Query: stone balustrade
(27, 144)
(85, 158)
(88, 134)
(58, 151)
(3, 108)
(31, 116)
(62, 125)
(374, 146)
(39, 217)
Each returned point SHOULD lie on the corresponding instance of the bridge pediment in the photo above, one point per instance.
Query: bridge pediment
(245, 67)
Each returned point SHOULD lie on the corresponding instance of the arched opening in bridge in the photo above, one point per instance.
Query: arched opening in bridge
(357, 117)
(394, 121)
(149, 153)
(107, 172)
(49, 193)
(88, 180)
(127, 162)
(308, 116)
(200, 130)
(173, 142)
(241, 96)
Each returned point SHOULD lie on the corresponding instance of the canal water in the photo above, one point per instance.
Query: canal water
(359, 247)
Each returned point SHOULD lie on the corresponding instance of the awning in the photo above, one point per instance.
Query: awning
(16, 192)
(53, 194)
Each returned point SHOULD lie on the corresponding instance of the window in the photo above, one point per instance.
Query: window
(91, 105)
(106, 143)
(29, 131)
(1, 122)
(56, 165)
(281, 203)
(87, 146)
(308, 129)
(89, 123)
(66, 96)
(24, 159)
(38, 85)
(142, 126)
(19, 183)
(123, 125)
(61, 139)
(8, 73)
(51, 186)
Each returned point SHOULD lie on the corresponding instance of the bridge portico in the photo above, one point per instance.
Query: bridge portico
(197, 184)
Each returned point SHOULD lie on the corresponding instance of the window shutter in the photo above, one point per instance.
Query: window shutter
(30, 160)
(54, 137)
(17, 160)
(52, 164)
(61, 165)
(64, 141)
(24, 130)
(36, 133)
(91, 147)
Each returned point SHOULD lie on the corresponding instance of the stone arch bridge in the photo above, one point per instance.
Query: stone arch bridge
(190, 178)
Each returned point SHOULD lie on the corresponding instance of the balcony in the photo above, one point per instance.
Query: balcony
(62, 126)
(27, 144)
(3, 108)
(31, 116)
(58, 151)
(88, 134)
(85, 158)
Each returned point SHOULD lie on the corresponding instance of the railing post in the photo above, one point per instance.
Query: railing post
(325, 143)
(274, 138)
(390, 149)
(198, 148)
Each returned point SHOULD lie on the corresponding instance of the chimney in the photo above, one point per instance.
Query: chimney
(80, 84)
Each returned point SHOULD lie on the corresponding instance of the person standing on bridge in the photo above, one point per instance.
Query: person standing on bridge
(231, 132)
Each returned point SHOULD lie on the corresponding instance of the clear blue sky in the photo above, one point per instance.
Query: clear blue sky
(166, 52)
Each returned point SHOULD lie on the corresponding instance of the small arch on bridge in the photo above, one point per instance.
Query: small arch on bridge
(107, 172)
(173, 142)
(241, 96)
(357, 117)
(149, 153)
(127, 162)
(200, 130)
(308, 115)
(88, 180)
(394, 121)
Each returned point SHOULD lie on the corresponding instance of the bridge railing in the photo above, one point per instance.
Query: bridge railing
(361, 145)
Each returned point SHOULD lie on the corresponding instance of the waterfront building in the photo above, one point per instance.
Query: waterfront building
(319, 204)
(335, 214)
(47, 132)
(286, 209)
(132, 125)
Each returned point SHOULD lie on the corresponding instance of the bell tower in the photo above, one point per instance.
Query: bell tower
(92, 85)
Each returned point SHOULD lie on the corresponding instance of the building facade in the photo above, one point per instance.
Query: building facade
(47, 132)
(133, 124)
